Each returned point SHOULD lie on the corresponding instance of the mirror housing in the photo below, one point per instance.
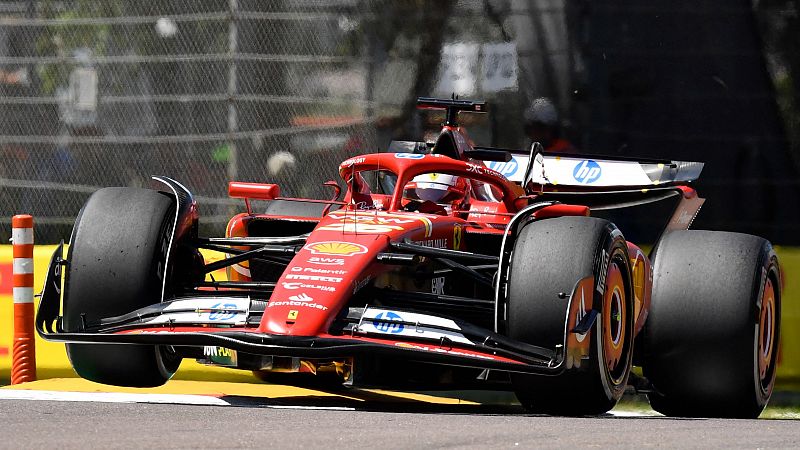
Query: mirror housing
(257, 191)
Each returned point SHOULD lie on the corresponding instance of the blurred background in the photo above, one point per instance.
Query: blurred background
(100, 93)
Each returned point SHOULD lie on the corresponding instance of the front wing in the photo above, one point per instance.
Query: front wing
(232, 322)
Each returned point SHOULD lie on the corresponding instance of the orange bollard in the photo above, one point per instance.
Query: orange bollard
(23, 363)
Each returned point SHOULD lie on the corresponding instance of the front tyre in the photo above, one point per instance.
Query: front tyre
(549, 258)
(711, 340)
(117, 264)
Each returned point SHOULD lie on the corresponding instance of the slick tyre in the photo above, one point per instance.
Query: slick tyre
(548, 259)
(711, 340)
(117, 259)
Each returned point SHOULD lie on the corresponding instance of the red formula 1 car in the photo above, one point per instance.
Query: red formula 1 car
(433, 271)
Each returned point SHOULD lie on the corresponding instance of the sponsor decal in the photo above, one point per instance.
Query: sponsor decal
(360, 285)
(423, 320)
(428, 226)
(326, 261)
(437, 286)
(297, 285)
(474, 168)
(433, 243)
(363, 206)
(208, 305)
(296, 303)
(221, 355)
(601, 280)
(457, 234)
(494, 173)
(294, 276)
(382, 219)
(351, 161)
(385, 327)
(580, 315)
(336, 248)
(507, 169)
(223, 311)
(366, 228)
(375, 223)
(408, 156)
(217, 351)
(371, 217)
(320, 271)
(587, 171)
(292, 314)
(418, 326)
(301, 299)
(440, 350)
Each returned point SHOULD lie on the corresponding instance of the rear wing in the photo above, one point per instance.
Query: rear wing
(539, 170)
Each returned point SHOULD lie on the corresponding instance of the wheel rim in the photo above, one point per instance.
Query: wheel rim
(767, 338)
(614, 319)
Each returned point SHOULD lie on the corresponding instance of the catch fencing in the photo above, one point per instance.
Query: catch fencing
(108, 93)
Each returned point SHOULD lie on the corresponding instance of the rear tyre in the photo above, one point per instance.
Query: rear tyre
(117, 259)
(549, 258)
(711, 340)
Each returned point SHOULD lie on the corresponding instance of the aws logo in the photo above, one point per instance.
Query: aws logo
(587, 172)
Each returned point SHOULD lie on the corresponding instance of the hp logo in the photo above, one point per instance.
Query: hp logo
(408, 156)
(507, 169)
(387, 327)
(223, 312)
(586, 172)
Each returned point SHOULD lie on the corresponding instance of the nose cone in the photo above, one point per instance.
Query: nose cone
(319, 282)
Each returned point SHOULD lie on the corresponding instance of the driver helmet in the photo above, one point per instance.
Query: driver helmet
(436, 187)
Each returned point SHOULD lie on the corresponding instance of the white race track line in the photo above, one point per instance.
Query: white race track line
(111, 397)
(119, 397)
(187, 399)
(634, 414)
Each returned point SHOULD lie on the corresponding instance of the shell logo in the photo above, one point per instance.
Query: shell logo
(336, 248)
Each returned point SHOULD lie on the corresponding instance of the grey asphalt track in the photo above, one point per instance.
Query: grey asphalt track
(71, 425)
